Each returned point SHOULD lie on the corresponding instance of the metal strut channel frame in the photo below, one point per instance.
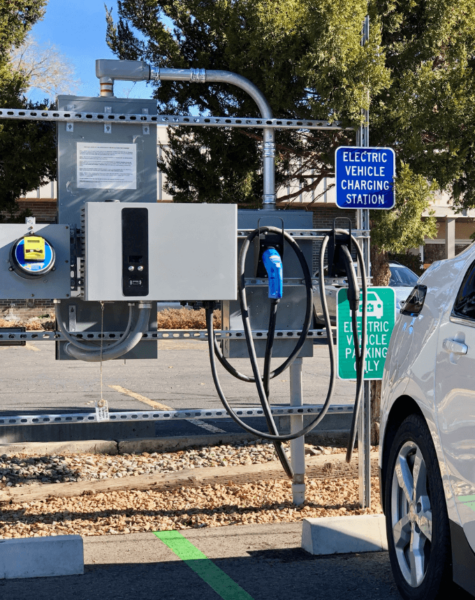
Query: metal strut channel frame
(171, 415)
(163, 334)
(309, 234)
(164, 120)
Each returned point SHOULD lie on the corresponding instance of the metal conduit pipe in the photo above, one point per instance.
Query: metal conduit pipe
(125, 345)
(129, 70)
(92, 345)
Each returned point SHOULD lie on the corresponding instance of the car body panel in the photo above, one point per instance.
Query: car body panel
(410, 369)
(455, 400)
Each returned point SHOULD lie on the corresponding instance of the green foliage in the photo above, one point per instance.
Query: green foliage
(416, 74)
(27, 149)
(402, 228)
(427, 112)
(305, 56)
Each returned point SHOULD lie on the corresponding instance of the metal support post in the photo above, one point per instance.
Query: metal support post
(297, 447)
(364, 420)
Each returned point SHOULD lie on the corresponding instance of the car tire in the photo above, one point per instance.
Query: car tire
(417, 523)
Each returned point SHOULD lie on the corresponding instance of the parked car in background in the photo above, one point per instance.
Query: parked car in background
(402, 281)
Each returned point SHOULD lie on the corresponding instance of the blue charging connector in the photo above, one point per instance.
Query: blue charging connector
(273, 265)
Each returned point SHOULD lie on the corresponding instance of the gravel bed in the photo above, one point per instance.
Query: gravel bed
(20, 470)
(208, 506)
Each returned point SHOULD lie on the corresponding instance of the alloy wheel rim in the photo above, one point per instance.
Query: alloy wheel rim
(411, 514)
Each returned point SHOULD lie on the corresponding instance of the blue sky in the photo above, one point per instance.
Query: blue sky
(78, 30)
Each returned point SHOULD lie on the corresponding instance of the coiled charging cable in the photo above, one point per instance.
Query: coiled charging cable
(262, 389)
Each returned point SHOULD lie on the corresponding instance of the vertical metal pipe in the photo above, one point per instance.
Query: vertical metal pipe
(297, 447)
(110, 70)
(268, 169)
(364, 421)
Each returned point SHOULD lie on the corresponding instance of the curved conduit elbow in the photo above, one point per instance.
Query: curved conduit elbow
(92, 345)
(124, 345)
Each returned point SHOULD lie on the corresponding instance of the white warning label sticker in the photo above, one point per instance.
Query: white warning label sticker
(107, 166)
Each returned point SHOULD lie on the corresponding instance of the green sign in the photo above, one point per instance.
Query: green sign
(381, 316)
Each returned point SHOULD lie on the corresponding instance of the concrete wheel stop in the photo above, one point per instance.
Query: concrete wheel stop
(21, 558)
(343, 535)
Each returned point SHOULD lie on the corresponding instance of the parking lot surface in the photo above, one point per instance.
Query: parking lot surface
(181, 378)
(259, 562)
(34, 383)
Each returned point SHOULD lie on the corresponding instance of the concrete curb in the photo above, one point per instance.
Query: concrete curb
(343, 535)
(48, 448)
(23, 558)
(165, 444)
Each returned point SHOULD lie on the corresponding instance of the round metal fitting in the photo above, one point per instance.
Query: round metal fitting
(31, 269)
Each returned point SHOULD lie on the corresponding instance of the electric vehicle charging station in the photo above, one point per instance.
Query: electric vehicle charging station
(115, 251)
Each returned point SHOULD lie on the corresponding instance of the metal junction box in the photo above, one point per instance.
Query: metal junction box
(105, 161)
(159, 251)
(55, 284)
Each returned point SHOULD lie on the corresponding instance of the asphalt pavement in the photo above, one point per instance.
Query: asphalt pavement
(257, 562)
(33, 382)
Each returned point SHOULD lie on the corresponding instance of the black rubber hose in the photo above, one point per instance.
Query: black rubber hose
(260, 388)
(360, 355)
(242, 295)
(284, 459)
(270, 344)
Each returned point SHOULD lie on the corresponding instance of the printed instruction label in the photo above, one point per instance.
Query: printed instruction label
(107, 166)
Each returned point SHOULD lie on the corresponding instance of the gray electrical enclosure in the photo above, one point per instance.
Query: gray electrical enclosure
(160, 251)
(105, 161)
(55, 284)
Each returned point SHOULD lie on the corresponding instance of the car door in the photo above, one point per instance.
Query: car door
(455, 398)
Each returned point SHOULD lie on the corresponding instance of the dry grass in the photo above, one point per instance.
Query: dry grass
(184, 318)
(170, 318)
(33, 325)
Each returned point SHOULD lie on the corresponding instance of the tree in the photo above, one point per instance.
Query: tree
(27, 148)
(45, 68)
(306, 58)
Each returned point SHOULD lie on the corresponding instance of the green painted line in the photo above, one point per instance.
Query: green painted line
(468, 501)
(198, 562)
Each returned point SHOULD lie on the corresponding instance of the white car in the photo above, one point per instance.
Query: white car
(402, 281)
(427, 434)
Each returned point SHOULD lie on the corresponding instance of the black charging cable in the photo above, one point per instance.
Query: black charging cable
(261, 388)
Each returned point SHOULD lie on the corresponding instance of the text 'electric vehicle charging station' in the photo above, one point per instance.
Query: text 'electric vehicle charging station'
(114, 252)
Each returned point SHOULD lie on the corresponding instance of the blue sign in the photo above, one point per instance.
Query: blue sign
(365, 177)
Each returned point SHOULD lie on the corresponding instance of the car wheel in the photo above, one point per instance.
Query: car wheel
(417, 523)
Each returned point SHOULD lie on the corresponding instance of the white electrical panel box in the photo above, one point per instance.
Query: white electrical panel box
(144, 251)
